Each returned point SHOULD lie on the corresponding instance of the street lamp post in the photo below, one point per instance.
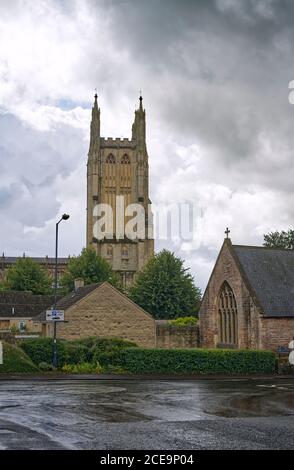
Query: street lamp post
(54, 355)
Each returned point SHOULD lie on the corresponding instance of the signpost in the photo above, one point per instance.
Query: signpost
(1, 352)
(54, 315)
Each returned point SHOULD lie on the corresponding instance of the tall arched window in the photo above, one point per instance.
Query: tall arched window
(126, 182)
(227, 316)
(110, 181)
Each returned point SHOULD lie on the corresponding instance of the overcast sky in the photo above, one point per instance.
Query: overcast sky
(220, 128)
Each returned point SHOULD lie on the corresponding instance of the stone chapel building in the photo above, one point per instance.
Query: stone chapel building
(249, 299)
(119, 167)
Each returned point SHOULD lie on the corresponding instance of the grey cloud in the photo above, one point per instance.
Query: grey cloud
(30, 163)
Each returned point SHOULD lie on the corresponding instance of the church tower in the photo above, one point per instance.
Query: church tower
(117, 175)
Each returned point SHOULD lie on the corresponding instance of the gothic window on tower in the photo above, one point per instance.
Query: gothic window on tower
(227, 316)
(109, 251)
(125, 252)
(125, 160)
(110, 158)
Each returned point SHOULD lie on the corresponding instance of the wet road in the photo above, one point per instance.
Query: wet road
(204, 414)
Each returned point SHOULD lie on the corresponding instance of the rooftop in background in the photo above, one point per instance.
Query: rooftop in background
(23, 304)
(42, 260)
(270, 272)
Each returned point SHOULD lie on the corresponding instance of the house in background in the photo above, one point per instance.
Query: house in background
(18, 310)
(101, 310)
(249, 299)
(48, 263)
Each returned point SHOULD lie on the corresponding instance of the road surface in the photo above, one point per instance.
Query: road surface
(103, 414)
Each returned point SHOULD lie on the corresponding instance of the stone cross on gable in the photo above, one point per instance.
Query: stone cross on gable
(227, 231)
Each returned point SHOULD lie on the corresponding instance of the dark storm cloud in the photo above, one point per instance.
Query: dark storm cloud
(217, 70)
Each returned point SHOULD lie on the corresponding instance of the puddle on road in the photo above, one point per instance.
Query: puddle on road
(267, 400)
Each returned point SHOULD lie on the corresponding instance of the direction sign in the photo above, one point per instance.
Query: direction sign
(54, 315)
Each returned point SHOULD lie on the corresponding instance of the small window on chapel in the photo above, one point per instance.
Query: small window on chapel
(125, 252)
(125, 159)
(109, 251)
(110, 158)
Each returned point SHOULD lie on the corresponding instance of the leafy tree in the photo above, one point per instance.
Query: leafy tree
(27, 275)
(165, 288)
(284, 240)
(91, 267)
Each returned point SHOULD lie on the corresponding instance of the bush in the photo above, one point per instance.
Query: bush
(76, 353)
(83, 368)
(40, 350)
(15, 360)
(45, 367)
(194, 361)
(183, 321)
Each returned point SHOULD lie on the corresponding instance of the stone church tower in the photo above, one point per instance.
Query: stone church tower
(119, 167)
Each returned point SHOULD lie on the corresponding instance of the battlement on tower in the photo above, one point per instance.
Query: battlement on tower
(116, 143)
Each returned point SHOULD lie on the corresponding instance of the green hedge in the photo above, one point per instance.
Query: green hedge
(16, 361)
(74, 352)
(195, 361)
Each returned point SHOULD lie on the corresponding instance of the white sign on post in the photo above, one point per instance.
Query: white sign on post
(54, 315)
(1, 352)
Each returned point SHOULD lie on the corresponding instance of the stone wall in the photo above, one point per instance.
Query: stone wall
(173, 337)
(276, 332)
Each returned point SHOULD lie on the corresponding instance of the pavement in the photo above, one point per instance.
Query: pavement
(147, 414)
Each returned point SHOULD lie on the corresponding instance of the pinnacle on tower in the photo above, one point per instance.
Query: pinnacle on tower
(95, 128)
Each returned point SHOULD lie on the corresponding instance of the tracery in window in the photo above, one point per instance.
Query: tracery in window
(227, 315)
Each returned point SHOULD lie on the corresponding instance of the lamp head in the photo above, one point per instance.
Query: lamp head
(65, 217)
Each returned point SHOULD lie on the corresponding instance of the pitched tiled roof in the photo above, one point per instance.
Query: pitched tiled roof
(270, 273)
(69, 300)
(22, 304)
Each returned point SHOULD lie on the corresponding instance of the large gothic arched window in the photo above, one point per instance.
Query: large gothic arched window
(227, 316)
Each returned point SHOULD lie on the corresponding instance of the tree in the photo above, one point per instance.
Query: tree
(284, 240)
(91, 267)
(165, 288)
(27, 275)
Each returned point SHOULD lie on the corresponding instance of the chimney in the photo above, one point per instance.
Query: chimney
(79, 282)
